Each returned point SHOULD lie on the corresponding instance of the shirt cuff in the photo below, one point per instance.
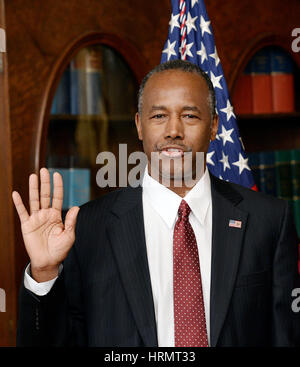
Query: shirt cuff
(40, 289)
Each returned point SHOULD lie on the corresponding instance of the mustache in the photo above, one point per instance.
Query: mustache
(160, 147)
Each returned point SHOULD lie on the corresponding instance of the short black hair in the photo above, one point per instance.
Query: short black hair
(184, 66)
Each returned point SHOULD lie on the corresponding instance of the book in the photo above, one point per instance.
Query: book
(63, 94)
(119, 85)
(76, 185)
(295, 175)
(93, 83)
(61, 101)
(76, 179)
(253, 162)
(278, 173)
(282, 78)
(261, 82)
(79, 186)
(267, 173)
(284, 175)
(243, 94)
(86, 82)
(74, 87)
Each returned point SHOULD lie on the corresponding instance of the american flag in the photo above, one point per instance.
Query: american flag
(235, 223)
(191, 38)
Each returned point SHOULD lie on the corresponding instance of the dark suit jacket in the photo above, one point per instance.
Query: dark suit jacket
(103, 296)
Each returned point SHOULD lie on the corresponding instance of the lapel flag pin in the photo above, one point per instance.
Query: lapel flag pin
(235, 223)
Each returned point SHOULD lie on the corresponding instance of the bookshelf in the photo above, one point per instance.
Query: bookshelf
(270, 131)
(272, 139)
(92, 112)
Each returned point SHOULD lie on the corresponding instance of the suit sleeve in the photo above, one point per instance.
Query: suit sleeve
(285, 322)
(56, 319)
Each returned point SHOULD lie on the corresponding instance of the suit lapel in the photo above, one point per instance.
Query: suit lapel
(126, 234)
(226, 248)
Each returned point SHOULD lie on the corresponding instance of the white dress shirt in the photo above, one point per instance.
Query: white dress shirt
(160, 207)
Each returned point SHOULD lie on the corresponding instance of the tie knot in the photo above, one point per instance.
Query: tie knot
(184, 210)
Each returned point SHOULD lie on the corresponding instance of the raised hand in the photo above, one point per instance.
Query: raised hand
(47, 239)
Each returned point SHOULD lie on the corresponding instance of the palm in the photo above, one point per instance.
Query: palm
(44, 237)
(47, 239)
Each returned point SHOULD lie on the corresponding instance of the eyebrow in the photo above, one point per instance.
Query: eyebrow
(155, 108)
(191, 108)
(185, 108)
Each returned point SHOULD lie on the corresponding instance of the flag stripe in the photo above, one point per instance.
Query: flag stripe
(227, 158)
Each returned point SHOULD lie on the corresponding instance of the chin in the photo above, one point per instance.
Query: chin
(175, 178)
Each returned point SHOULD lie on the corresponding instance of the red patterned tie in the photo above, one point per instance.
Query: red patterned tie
(189, 314)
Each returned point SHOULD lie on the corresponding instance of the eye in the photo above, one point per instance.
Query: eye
(190, 116)
(158, 116)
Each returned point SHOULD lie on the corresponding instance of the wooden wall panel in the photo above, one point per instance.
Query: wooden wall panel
(40, 32)
(7, 261)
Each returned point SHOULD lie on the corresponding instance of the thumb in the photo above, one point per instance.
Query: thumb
(71, 217)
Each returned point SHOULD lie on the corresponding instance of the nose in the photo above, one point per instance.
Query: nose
(174, 128)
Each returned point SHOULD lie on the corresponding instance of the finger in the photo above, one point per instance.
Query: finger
(58, 191)
(71, 217)
(21, 210)
(45, 188)
(34, 199)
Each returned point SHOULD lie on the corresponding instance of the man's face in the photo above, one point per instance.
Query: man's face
(176, 119)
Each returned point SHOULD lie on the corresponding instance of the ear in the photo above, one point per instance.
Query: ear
(214, 127)
(138, 124)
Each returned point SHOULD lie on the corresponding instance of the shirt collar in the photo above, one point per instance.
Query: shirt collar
(166, 202)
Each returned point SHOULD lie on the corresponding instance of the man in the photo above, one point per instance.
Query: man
(204, 263)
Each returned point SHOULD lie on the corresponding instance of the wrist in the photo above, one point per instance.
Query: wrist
(44, 274)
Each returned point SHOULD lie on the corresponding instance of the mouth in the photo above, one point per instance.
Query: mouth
(172, 152)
